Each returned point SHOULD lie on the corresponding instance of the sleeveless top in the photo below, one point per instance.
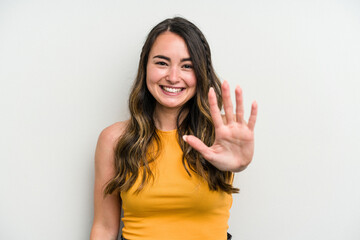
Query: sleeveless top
(174, 205)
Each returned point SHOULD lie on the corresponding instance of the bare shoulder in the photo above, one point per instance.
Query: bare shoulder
(107, 141)
(111, 134)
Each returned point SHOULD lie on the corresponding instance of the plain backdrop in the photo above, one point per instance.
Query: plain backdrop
(66, 68)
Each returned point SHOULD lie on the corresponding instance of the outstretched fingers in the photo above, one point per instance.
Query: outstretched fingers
(253, 115)
(214, 109)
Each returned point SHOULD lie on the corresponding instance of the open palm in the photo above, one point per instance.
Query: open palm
(233, 148)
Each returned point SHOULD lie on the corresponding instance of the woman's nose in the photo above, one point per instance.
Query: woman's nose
(173, 75)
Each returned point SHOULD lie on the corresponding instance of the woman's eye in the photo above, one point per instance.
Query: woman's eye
(161, 63)
(188, 66)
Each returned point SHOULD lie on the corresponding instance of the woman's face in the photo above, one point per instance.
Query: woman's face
(170, 75)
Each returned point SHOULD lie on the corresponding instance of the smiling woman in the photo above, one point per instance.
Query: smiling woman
(170, 77)
(158, 164)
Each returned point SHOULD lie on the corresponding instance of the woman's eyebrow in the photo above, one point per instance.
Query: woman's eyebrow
(162, 57)
(168, 59)
(185, 59)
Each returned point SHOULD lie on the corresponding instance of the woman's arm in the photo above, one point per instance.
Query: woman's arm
(107, 210)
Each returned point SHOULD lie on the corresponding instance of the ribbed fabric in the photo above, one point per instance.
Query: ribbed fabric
(174, 206)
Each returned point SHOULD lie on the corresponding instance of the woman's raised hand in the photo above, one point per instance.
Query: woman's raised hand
(233, 148)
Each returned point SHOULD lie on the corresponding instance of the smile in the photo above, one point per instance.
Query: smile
(172, 90)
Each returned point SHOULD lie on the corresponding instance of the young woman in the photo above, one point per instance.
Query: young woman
(170, 166)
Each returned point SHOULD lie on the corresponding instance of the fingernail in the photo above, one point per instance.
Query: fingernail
(184, 137)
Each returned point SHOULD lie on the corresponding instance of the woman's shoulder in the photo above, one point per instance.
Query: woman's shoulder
(112, 133)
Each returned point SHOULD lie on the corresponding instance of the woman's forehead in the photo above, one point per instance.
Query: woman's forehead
(170, 44)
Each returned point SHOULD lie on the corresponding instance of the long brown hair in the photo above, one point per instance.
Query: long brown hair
(132, 149)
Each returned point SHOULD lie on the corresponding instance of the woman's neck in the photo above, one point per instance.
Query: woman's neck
(165, 118)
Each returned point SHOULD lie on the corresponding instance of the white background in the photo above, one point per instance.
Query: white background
(66, 68)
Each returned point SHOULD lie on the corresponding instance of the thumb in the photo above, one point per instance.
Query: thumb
(198, 145)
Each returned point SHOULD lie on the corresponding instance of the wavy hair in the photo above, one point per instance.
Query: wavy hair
(133, 150)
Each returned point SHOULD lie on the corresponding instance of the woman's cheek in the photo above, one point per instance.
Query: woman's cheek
(191, 79)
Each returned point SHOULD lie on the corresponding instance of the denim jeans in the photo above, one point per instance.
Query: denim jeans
(229, 237)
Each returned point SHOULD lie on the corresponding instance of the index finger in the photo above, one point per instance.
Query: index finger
(214, 109)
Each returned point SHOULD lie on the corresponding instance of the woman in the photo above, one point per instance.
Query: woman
(157, 165)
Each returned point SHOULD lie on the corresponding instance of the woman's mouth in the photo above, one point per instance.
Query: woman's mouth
(172, 89)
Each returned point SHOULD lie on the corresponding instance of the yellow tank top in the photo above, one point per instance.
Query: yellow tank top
(174, 205)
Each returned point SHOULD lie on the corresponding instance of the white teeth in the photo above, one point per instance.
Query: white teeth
(172, 90)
